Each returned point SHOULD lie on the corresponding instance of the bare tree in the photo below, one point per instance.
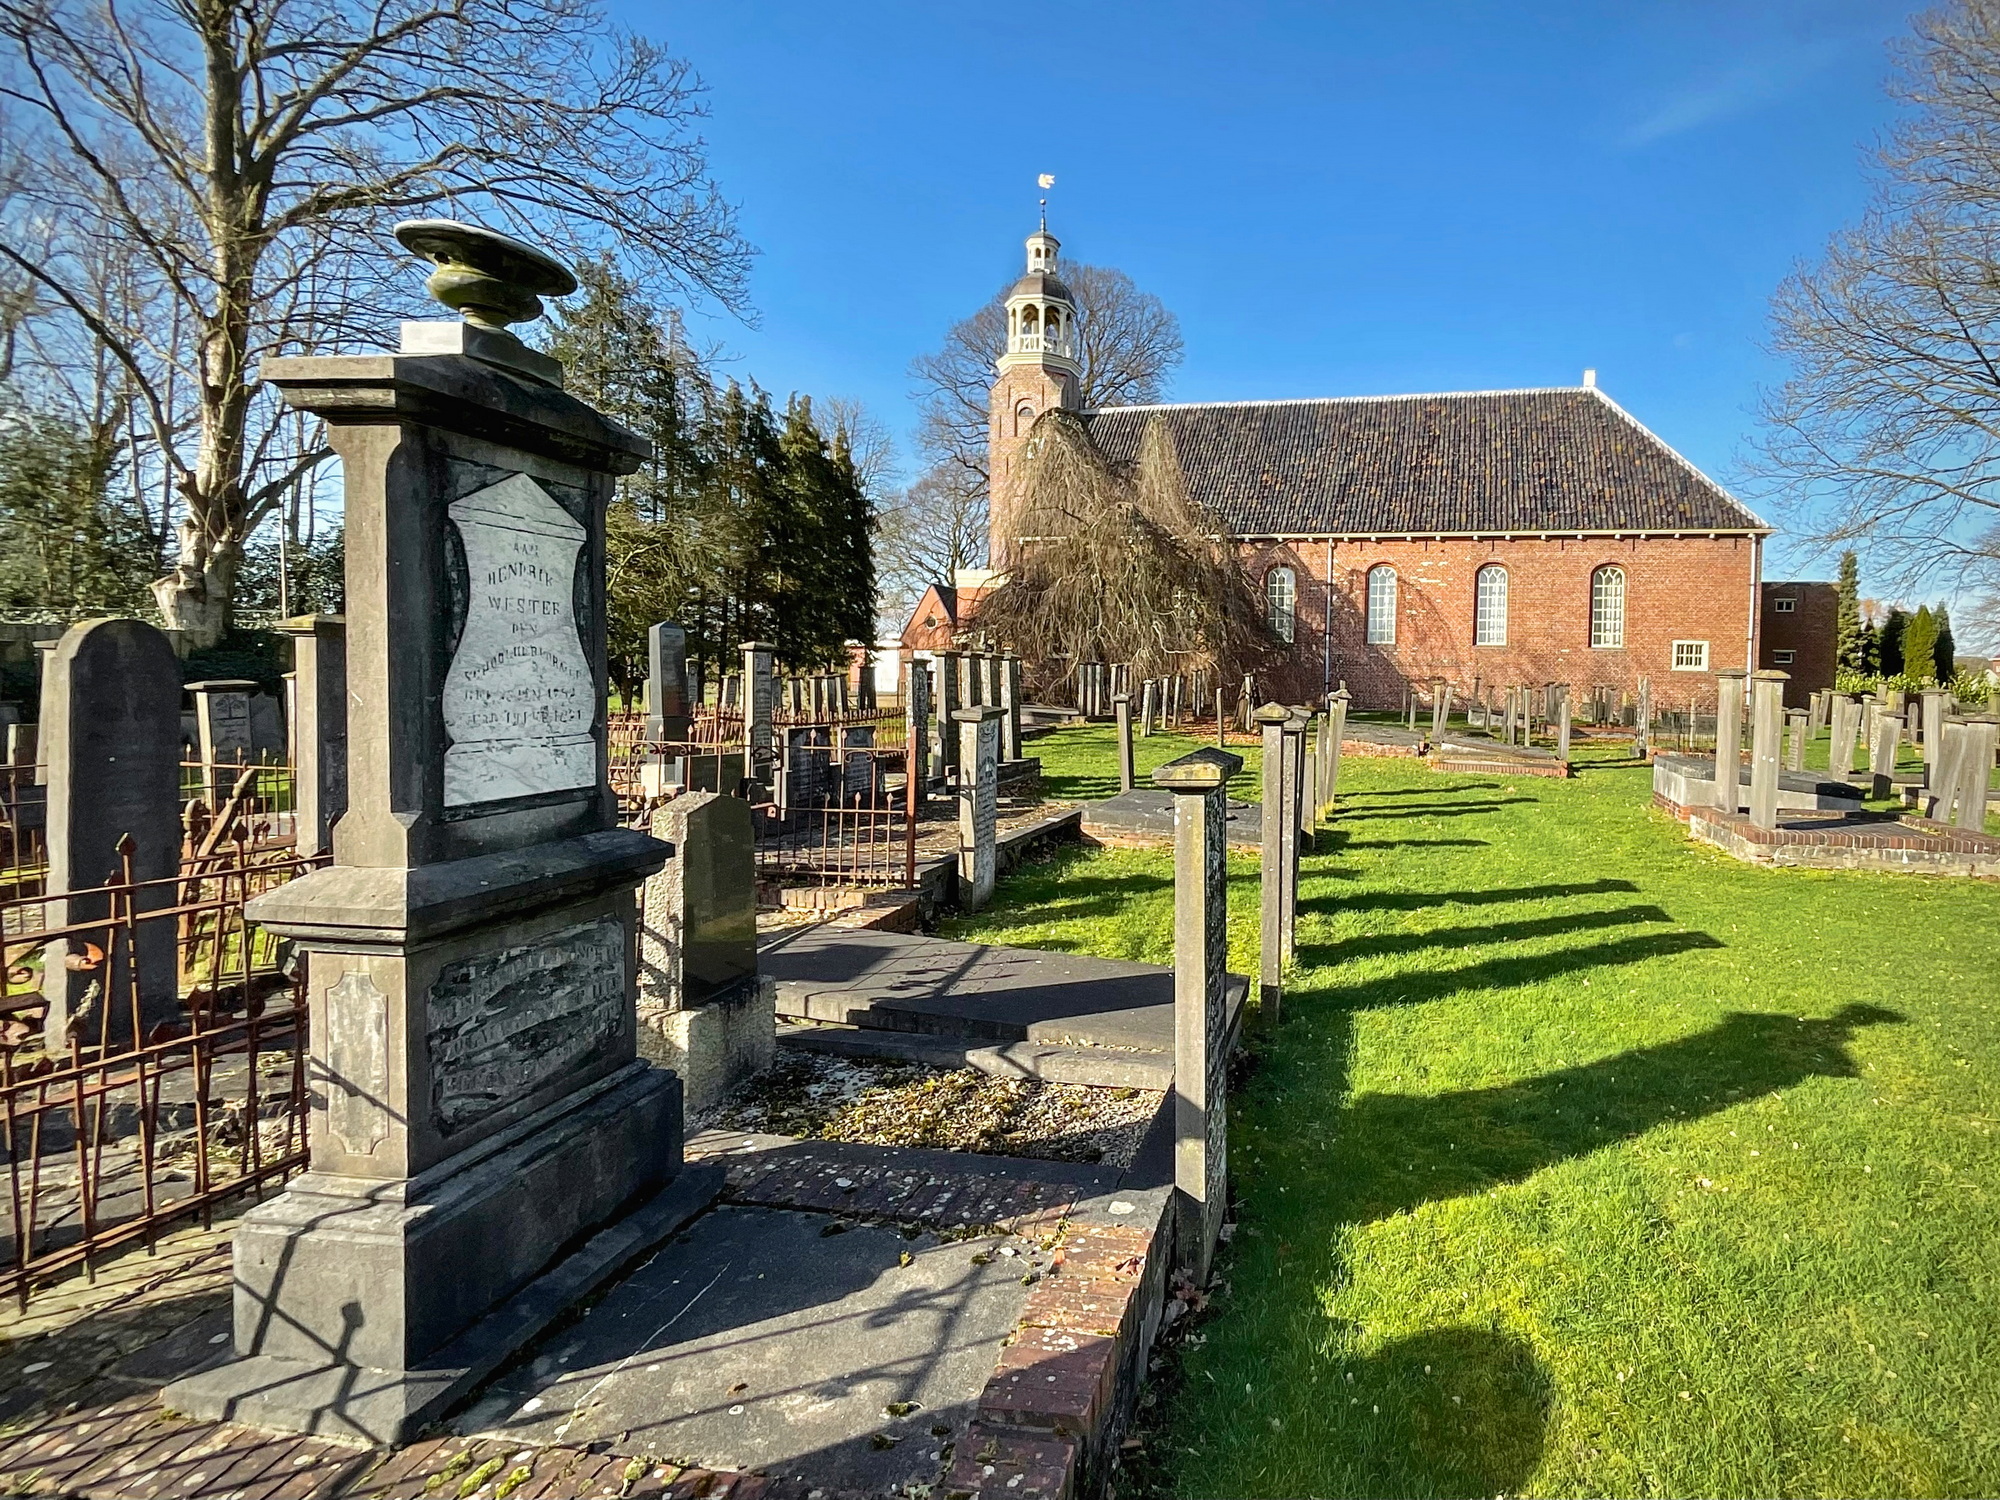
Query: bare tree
(1887, 433)
(925, 535)
(251, 156)
(1127, 342)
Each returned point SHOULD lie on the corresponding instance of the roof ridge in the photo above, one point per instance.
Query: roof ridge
(1525, 390)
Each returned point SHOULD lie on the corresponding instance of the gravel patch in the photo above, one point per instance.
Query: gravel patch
(889, 1103)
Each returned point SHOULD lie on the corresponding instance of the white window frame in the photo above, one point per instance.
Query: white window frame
(1607, 614)
(1783, 658)
(1281, 603)
(1784, 605)
(1381, 615)
(1489, 605)
(1690, 656)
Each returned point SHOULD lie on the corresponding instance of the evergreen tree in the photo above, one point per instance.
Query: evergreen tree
(1889, 641)
(1920, 645)
(1947, 648)
(67, 547)
(1850, 630)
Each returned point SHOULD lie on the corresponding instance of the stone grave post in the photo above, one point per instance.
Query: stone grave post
(971, 680)
(1121, 705)
(1277, 851)
(1728, 783)
(1795, 742)
(222, 728)
(917, 729)
(318, 727)
(978, 803)
(1322, 764)
(1440, 708)
(943, 707)
(1246, 703)
(1148, 696)
(1010, 699)
(1297, 721)
(701, 1009)
(1199, 783)
(1846, 722)
(1815, 712)
(111, 746)
(667, 720)
(1559, 712)
(1886, 734)
(760, 703)
(1410, 706)
(1936, 702)
(1975, 772)
(1767, 721)
(1642, 719)
(1336, 712)
(486, 1145)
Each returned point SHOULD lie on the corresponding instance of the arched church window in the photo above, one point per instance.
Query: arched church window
(1281, 595)
(1382, 606)
(1024, 417)
(1489, 622)
(1607, 607)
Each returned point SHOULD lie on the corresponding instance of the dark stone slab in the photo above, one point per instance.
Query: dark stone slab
(902, 982)
(758, 1341)
(1148, 814)
(1100, 1067)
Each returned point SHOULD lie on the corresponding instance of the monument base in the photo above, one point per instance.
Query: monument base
(717, 1045)
(428, 1256)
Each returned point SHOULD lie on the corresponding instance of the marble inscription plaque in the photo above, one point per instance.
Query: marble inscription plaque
(518, 699)
(501, 1025)
(356, 1071)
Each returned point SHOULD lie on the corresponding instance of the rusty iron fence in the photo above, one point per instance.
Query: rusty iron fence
(121, 1130)
(839, 816)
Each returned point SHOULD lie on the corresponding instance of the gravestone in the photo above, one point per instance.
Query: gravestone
(760, 705)
(1278, 854)
(1846, 723)
(978, 804)
(1559, 712)
(917, 730)
(944, 704)
(701, 1009)
(1767, 722)
(1122, 707)
(667, 719)
(1148, 701)
(222, 729)
(1885, 736)
(1936, 703)
(1973, 772)
(1642, 719)
(486, 1145)
(110, 742)
(1199, 784)
(1010, 700)
(1440, 708)
(1795, 741)
(1336, 712)
(1728, 783)
(318, 727)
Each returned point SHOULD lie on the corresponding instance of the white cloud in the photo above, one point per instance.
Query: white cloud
(1731, 91)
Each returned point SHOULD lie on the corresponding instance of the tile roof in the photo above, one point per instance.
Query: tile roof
(1477, 462)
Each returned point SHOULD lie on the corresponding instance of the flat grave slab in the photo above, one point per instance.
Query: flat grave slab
(1143, 815)
(1689, 781)
(759, 1341)
(903, 982)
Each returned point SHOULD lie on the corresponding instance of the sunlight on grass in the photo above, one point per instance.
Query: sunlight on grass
(1586, 1160)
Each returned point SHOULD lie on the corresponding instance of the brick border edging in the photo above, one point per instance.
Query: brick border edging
(1478, 766)
(1933, 849)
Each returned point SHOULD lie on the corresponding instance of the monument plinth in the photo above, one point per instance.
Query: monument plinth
(486, 1145)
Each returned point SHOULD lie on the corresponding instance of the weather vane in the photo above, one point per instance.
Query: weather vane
(1046, 181)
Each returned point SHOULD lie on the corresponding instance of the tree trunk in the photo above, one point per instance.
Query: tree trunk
(198, 596)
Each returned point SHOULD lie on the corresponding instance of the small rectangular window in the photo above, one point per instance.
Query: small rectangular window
(1690, 656)
(1782, 658)
(1784, 606)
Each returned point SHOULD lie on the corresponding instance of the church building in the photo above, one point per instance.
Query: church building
(1498, 537)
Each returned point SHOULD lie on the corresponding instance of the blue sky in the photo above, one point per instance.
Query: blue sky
(1335, 199)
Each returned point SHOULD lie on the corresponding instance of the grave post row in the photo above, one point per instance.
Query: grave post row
(1199, 784)
(1767, 725)
(978, 803)
(479, 1112)
(1728, 785)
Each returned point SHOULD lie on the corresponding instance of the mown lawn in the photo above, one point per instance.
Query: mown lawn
(1585, 1161)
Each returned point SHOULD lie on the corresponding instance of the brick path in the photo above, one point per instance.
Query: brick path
(80, 1373)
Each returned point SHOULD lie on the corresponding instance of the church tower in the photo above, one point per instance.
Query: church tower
(1038, 371)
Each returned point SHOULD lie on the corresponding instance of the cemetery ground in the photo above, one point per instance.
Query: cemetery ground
(1584, 1160)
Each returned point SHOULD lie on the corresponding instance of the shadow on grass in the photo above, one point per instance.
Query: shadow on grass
(1421, 986)
(1424, 900)
(1399, 1151)
(1487, 1443)
(1492, 932)
(1332, 842)
(1434, 810)
(1427, 792)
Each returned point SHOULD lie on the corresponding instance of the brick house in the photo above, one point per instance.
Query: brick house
(1799, 634)
(1501, 537)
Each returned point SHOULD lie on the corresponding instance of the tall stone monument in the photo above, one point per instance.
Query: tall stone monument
(486, 1146)
(667, 719)
(318, 727)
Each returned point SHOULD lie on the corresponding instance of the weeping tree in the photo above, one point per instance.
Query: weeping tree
(1118, 565)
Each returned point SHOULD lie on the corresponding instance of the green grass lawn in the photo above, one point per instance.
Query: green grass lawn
(1586, 1160)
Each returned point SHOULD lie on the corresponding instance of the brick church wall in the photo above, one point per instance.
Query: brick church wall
(1676, 588)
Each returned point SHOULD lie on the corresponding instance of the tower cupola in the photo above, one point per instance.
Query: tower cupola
(1041, 312)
